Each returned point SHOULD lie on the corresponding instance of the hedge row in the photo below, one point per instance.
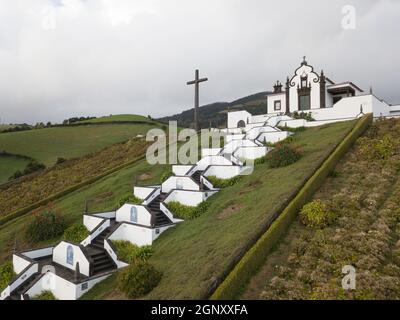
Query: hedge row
(234, 283)
(20, 212)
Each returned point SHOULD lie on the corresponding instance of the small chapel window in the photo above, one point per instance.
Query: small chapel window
(70, 255)
(134, 215)
(304, 82)
(277, 105)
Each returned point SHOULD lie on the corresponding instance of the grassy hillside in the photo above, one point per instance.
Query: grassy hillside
(46, 145)
(364, 193)
(118, 118)
(216, 112)
(10, 164)
(196, 254)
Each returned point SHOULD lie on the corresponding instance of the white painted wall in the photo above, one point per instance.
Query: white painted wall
(232, 137)
(271, 102)
(251, 153)
(124, 214)
(137, 235)
(205, 152)
(233, 145)
(95, 233)
(38, 253)
(189, 198)
(295, 123)
(60, 257)
(105, 215)
(214, 160)
(315, 88)
(225, 172)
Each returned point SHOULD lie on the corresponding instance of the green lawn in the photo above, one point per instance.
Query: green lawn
(10, 164)
(46, 145)
(119, 117)
(196, 253)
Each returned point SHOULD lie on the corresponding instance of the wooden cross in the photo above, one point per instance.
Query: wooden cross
(196, 83)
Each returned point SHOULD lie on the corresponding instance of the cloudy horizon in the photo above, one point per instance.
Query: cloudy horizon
(66, 58)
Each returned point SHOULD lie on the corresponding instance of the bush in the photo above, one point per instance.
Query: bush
(31, 167)
(317, 214)
(187, 212)
(283, 155)
(138, 279)
(60, 160)
(132, 199)
(377, 149)
(130, 253)
(6, 275)
(303, 115)
(165, 176)
(76, 233)
(45, 295)
(45, 226)
(223, 183)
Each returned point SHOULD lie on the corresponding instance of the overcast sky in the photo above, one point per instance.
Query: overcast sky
(64, 58)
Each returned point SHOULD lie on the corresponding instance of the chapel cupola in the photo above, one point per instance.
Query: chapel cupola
(304, 63)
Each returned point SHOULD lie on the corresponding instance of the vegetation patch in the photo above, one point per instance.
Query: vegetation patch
(223, 183)
(129, 253)
(303, 115)
(76, 233)
(6, 275)
(31, 167)
(132, 199)
(45, 225)
(45, 295)
(317, 214)
(282, 156)
(166, 175)
(187, 212)
(138, 279)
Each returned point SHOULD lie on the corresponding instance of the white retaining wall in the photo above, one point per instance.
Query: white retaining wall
(60, 257)
(179, 183)
(189, 198)
(143, 215)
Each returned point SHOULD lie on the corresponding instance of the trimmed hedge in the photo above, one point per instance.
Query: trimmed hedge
(45, 295)
(223, 183)
(132, 199)
(237, 279)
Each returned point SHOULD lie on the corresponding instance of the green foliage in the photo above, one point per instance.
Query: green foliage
(294, 130)
(377, 149)
(60, 160)
(223, 183)
(138, 279)
(166, 176)
(283, 155)
(317, 214)
(256, 256)
(45, 225)
(187, 212)
(132, 199)
(6, 275)
(45, 295)
(76, 233)
(130, 253)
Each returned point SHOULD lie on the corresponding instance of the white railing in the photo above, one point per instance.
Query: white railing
(166, 211)
(207, 183)
(96, 232)
(110, 249)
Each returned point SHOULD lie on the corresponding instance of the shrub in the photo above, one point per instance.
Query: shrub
(45, 226)
(283, 155)
(223, 183)
(45, 295)
(60, 160)
(317, 214)
(31, 167)
(303, 115)
(187, 212)
(130, 253)
(376, 149)
(6, 275)
(129, 199)
(76, 233)
(165, 176)
(138, 279)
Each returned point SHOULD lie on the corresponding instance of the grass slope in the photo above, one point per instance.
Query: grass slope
(118, 118)
(10, 164)
(365, 191)
(46, 145)
(195, 254)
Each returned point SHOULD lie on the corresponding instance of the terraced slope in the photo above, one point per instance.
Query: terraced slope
(365, 191)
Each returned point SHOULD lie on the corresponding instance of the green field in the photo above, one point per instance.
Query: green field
(118, 118)
(10, 164)
(6, 126)
(46, 145)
